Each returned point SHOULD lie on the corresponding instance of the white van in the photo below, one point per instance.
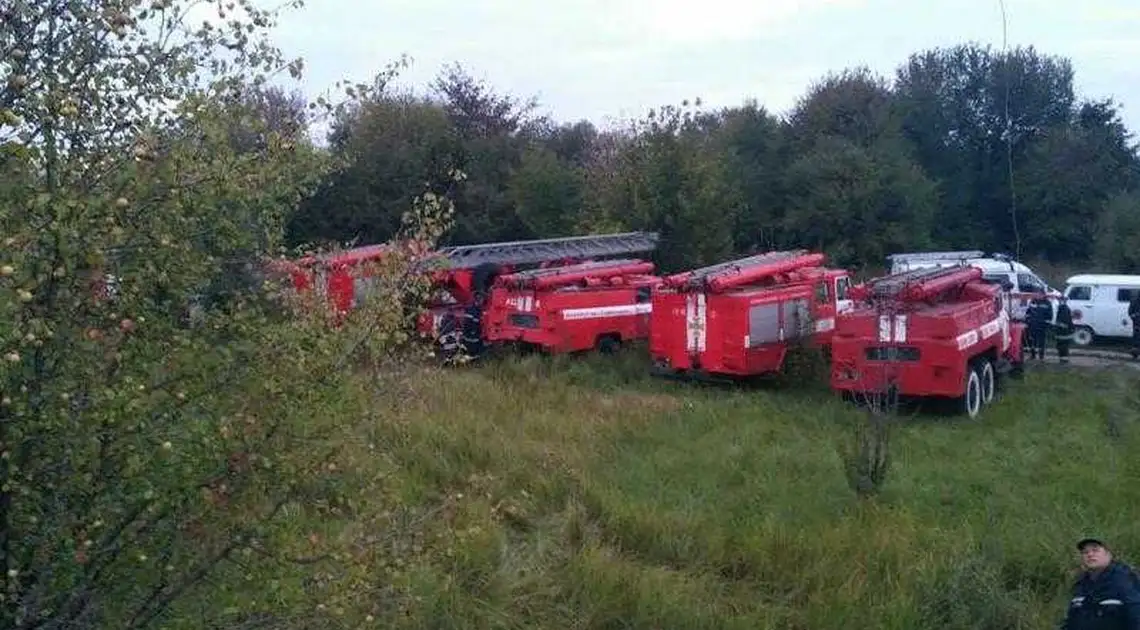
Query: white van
(1099, 303)
(995, 267)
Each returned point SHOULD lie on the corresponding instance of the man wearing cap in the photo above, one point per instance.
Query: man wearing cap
(1107, 594)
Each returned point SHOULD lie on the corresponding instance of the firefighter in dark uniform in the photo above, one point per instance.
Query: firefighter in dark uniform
(1134, 315)
(1037, 318)
(483, 277)
(1064, 329)
(1106, 596)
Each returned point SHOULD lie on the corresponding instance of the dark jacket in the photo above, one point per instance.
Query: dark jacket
(1134, 311)
(1110, 601)
(1039, 314)
(1064, 323)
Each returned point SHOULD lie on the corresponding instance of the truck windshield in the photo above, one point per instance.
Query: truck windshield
(1029, 283)
(841, 286)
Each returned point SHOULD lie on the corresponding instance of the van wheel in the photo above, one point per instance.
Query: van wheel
(1083, 336)
(989, 383)
(972, 399)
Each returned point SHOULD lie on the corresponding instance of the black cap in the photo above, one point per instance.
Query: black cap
(1084, 542)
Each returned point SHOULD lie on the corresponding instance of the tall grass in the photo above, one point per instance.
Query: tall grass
(581, 493)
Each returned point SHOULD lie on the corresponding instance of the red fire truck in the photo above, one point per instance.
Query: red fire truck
(739, 318)
(454, 317)
(573, 308)
(930, 332)
(462, 276)
(339, 277)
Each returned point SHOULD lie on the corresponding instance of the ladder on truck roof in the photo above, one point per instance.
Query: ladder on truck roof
(921, 283)
(545, 250)
(555, 276)
(921, 256)
(745, 270)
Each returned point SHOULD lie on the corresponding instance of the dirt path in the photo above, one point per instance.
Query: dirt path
(1089, 358)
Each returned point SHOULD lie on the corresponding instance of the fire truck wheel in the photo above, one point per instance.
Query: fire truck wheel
(989, 384)
(608, 344)
(972, 399)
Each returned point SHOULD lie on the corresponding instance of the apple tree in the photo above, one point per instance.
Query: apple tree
(153, 464)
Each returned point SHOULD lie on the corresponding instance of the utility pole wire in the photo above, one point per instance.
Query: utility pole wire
(1009, 131)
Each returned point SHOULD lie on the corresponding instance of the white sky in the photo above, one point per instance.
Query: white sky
(600, 59)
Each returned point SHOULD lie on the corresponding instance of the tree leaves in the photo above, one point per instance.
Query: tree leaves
(156, 408)
(918, 162)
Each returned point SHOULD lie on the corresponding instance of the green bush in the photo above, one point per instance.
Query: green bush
(155, 467)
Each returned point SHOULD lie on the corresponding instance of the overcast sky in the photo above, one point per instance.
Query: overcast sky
(600, 59)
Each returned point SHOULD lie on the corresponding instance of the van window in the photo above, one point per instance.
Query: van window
(1125, 295)
(841, 286)
(1080, 293)
(1029, 283)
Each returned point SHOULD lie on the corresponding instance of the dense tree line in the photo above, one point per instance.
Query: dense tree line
(965, 148)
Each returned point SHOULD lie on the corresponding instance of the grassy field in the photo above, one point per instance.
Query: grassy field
(581, 493)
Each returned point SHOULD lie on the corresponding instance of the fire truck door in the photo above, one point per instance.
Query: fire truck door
(695, 322)
(340, 289)
(641, 322)
(1005, 313)
(842, 302)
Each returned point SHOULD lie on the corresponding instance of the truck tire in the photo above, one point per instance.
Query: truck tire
(972, 398)
(608, 344)
(989, 381)
(1083, 336)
